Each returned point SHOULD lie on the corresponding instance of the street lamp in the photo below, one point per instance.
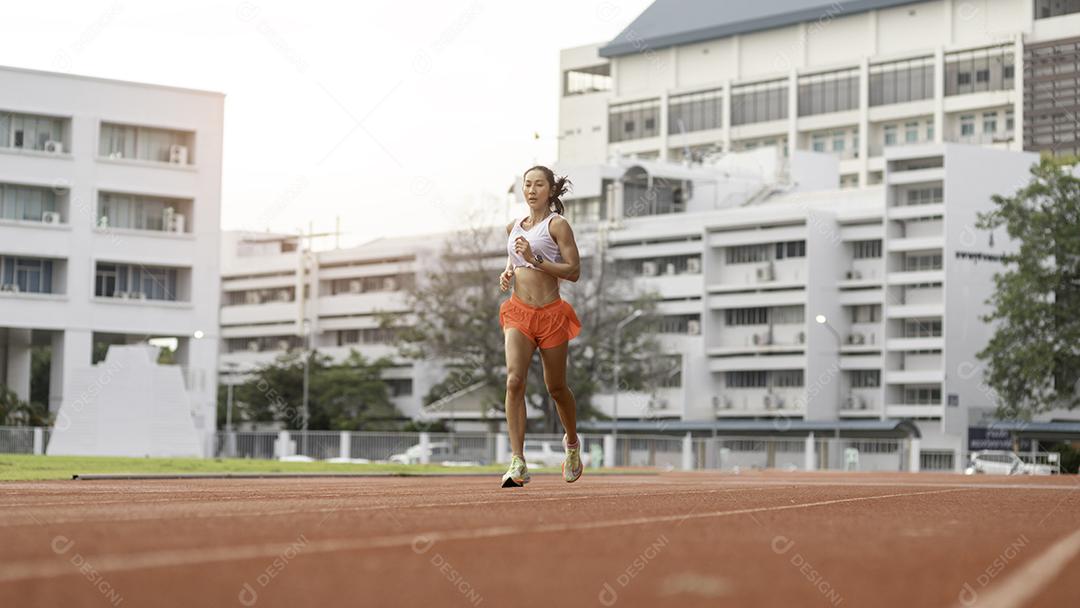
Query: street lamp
(615, 399)
(229, 439)
(822, 320)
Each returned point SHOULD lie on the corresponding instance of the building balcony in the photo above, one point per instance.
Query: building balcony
(759, 402)
(908, 344)
(915, 277)
(282, 312)
(903, 212)
(902, 311)
(918, 243)
(861, 402)
(914, 376)
(901, 410)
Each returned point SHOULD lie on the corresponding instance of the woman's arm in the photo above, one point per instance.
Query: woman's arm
(570, 268)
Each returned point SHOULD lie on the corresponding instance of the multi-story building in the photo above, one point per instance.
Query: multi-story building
(688, 78)
(341, 295)
(109, 225)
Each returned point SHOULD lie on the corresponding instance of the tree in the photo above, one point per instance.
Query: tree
(16, 412)
(350, 395)
(453, 313)
(1033, 358)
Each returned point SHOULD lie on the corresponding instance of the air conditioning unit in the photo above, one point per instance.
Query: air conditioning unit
(253, 346)
(800, 337)
(136, 295)
(768, 401)
(860, 402)
(355, 286)
(50, 217)
(856, 338)
(177, 223)
(390, 284)
(649, 269)
(693, 327)
(251, 297)
(54, 147)
(10, 287)
(853, 275)
(762, 339)
(693, 265)
(283, 345)
(766, 273)
(855, 402)
(721, 403)
(283, 295)
(670, 269)
(778, 402)
(178, 155)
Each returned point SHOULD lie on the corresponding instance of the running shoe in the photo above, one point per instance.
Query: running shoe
(517, 475)
(571, 466)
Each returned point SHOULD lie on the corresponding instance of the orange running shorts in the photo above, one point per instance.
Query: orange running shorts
(547, 326)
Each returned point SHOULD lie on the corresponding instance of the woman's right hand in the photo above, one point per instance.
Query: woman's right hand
(505, 278)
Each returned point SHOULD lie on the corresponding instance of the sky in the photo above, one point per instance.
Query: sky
(401, 118)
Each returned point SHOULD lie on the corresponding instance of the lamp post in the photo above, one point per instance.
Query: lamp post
(615, 399)
(822, 320)
(229, 443)
(307, 373)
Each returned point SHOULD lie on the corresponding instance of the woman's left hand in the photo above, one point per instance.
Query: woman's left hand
(522, 248)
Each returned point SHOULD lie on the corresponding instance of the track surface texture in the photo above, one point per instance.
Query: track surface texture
(676, 539)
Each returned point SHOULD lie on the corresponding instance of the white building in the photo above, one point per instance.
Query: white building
(109, 225)
(850, 78)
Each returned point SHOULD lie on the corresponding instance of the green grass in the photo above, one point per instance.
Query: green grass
(23, 467)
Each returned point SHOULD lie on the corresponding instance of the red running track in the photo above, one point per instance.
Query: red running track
(681, 539)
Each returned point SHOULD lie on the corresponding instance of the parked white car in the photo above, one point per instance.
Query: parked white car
(439, 452)
(548, 454)
(1003, 462)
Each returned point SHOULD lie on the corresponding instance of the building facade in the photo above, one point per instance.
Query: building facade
(686, 79)
(109, 225)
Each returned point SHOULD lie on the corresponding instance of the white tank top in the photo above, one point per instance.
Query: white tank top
(539, 240)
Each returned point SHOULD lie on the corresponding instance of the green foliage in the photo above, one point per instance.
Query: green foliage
(350, 395)
(16, 412)
(1033, 358)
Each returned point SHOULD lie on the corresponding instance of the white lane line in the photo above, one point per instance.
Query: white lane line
(1027, 581)
(337, 509)
(48, 568)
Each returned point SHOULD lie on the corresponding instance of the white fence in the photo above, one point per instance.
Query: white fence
(659, 451)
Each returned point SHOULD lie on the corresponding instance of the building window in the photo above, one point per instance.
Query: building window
(829, 92)
(914, 328)
(866, 249)
(922, 396)
(865, 378)
(866, 313)
(146, 143)
(1051, 96)
(974, 71)
(911, 132)
(924, 196)
(695, 111)
(791, 249)
(901, 81)
(368, 335)
(967, 125)
(591, 79)
(31, 132)
(989, 122)
(1009, 125)
(926, 261)
(838, 138)
(634, 120)
(787, 315)
(27, 275)
(255, 297)
(787, 378)
(746, 316)
(890, 135)
(759, 102)
(671, 371)
(817, 142)
(137, 212)
(747, 254)
(135, 281)
(399, 387)
(26, 203)
(264, 344)
(745, 379)
(678, 324)
(357, 285)
(930, 130)
(1045, 9)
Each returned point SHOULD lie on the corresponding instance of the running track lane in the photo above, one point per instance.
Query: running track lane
(678, 539)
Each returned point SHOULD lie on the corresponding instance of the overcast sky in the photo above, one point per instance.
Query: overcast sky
(397, 116)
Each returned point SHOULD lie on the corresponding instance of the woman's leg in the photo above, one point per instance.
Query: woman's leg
(519, 351)
(554, 359)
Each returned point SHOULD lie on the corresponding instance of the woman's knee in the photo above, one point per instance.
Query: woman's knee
(559, 392)
(515, 383)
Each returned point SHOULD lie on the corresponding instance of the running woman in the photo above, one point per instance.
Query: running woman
(542, 251)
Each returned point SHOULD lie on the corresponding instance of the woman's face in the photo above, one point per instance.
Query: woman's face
(537, 190)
